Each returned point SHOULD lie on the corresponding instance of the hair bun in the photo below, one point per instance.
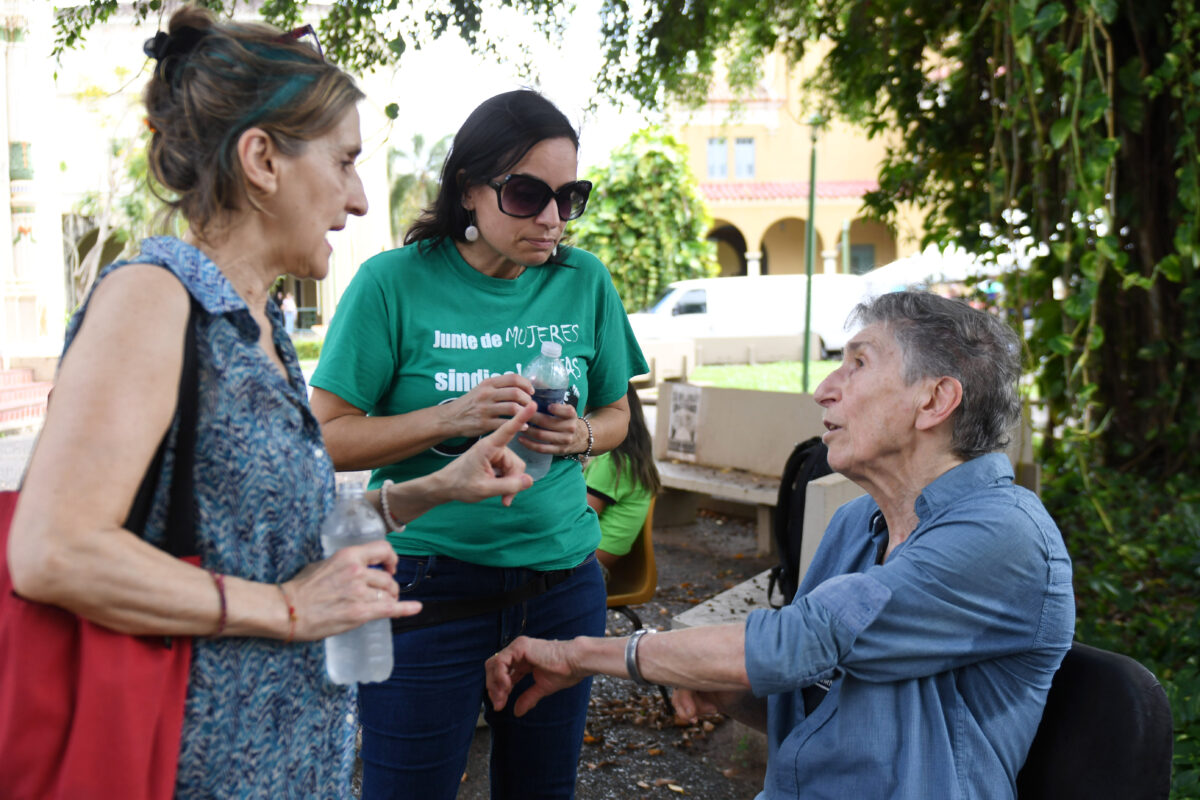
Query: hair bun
(164, 45)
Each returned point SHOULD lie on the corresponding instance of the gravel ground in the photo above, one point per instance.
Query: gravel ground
(633, 749)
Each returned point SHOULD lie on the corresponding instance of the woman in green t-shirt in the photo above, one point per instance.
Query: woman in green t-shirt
(423, 357)
(620, 486)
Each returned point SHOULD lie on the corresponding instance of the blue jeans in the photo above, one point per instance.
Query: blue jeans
(418, 725)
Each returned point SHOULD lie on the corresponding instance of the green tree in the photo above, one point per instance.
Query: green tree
(646, 220)
(109, 223)
(1070, 125)
(414, 176)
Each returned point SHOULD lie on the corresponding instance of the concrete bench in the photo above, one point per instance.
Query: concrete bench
(729, 445)
(823, 496)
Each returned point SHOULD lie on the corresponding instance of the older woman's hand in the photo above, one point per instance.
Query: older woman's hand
(340, 593)
(492, 401)
(551, 664)
(691, 705)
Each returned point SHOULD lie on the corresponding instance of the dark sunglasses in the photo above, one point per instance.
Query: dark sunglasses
(526, 196)
(308, 35)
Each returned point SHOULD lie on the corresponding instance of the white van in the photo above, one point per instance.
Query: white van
(766, 305)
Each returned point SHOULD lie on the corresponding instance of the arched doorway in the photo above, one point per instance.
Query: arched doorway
(731, 248)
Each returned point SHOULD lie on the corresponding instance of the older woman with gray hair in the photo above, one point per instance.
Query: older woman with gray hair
(915, 659)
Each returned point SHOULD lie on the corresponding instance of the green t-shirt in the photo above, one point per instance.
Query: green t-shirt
(418, 326)
(628, 501)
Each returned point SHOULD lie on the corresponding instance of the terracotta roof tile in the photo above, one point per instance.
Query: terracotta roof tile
(732, 191)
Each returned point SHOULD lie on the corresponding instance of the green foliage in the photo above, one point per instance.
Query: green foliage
(121, 214)
(308, 349)
(1136, 553)
(1066, 128)
(414, 176)
(646, 220)
(358, 35)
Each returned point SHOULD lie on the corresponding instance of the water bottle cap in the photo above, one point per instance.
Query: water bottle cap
(551, 349)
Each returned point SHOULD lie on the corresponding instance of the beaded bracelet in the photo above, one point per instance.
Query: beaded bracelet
(219, 580)
(291, 614)
(586, 454)
(391, 522)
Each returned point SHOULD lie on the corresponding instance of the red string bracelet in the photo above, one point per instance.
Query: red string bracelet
(291, 614)
(219, 580)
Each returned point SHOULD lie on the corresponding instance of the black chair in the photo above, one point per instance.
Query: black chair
(1106, 733)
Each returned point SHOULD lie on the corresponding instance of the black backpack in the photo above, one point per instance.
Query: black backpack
(808, 461)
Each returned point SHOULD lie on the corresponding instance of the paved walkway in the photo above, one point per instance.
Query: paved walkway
(14, 453)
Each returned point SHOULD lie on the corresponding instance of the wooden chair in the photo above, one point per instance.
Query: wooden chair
(634, 578)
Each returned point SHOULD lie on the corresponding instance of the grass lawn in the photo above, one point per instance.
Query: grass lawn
(781, 376)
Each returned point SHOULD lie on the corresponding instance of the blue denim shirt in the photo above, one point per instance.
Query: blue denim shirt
(937, 662)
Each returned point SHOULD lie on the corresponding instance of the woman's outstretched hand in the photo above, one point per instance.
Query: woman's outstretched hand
(345, 590)
(489, 468)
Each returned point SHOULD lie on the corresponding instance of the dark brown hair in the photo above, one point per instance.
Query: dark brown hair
(635, 455)
(494, 139)
(213, 81)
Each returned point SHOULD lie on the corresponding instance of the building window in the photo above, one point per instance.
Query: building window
(862, 258)
(743, 157)
(718, 158)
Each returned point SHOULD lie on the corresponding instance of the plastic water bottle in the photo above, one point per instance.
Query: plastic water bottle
(551, 377)
(364, 654)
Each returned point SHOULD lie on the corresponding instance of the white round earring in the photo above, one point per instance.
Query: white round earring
(471, 234)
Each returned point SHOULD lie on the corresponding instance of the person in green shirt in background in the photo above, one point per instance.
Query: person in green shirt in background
(620, 486)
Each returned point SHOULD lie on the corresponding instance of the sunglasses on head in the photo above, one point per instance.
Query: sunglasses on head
(526, 196)
(308, 35)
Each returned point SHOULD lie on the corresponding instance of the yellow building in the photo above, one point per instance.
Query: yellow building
(752, 157)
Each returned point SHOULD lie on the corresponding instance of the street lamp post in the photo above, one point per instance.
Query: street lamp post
(811, 244)
(846, 247)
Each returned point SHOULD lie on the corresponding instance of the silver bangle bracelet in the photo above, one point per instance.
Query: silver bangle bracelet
(631, 659)
(388, 519)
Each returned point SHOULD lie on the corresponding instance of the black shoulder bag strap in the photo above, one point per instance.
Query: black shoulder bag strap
(181, 530)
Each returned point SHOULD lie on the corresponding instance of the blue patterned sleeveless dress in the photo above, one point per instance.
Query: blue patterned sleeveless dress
(262, 719)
